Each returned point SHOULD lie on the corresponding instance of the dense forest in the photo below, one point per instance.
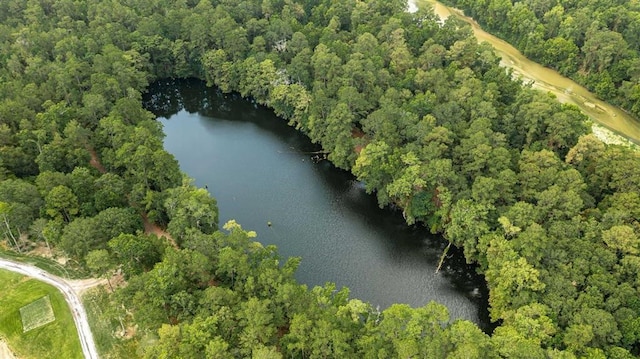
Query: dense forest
(596, 43)
(415, 108)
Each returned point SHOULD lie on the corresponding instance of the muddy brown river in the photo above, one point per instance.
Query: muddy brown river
(543, 78)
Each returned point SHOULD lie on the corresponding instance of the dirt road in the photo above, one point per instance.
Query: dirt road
(70, 289)
(5, 351)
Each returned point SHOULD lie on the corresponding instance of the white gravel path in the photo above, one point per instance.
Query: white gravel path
(71, 296)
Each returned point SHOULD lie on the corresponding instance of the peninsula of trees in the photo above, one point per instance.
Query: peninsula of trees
(415, 108)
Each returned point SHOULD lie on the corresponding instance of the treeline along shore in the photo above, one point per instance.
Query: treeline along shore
(420, 112)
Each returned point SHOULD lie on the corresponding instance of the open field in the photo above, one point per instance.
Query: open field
(58, 339)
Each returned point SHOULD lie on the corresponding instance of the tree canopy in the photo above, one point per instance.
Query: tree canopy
(414, 107)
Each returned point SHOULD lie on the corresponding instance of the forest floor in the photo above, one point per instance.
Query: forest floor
(152, 228)
(95, 161)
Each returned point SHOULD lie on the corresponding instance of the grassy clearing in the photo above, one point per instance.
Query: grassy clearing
(36, 314)
(105, 326)
(58, 339)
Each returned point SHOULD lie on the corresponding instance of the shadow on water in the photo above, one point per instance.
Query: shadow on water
(368, 249)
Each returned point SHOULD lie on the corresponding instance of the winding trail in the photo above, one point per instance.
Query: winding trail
(71, 289)
(544, 78)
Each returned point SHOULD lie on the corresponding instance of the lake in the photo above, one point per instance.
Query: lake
(262, 171)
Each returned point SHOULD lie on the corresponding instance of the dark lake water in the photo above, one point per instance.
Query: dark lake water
(260, 170)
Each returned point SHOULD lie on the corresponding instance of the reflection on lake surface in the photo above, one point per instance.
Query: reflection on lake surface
(261, 170)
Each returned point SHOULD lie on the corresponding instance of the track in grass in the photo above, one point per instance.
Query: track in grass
(37, 314)
(56, 340)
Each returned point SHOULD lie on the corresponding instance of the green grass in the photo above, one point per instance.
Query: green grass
(58, 339)
(37, 314)
(102, 313)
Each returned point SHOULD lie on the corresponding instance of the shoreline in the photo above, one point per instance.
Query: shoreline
(610, 124)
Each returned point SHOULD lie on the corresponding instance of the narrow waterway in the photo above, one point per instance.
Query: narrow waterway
(261, 170)
(543, 78)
